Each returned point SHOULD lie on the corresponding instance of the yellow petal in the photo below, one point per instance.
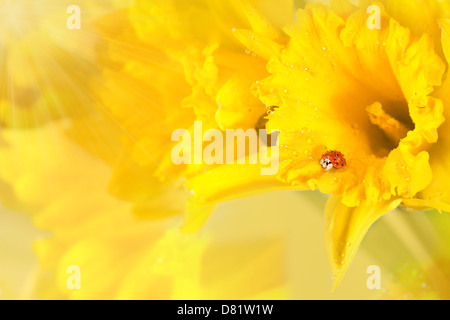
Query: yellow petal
(437, 194)
(407, 173)
(343, 7)
(238, 108)
(224, 183)
(419, 16)
(345, 229)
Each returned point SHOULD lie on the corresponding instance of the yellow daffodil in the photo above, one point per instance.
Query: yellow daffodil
(368, 93)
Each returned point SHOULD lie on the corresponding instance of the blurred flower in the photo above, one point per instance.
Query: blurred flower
(64, 189)
(173, 62)
(119, 255)
(45, 67)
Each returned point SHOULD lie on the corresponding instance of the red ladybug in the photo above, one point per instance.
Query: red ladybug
(333, 159)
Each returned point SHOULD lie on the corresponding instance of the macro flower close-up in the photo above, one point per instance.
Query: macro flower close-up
(224, 150)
